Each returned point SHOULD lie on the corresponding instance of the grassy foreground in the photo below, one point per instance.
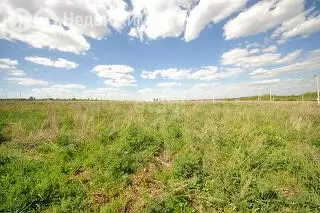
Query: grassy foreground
(152, 157)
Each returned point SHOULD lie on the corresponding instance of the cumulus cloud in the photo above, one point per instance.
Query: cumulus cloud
(259, 72)
(290, 58)
(59, 63)
(18, 73)
(170, 18)
(303, 25)
(244, 57)
(115, 75)
(6, 67)
(159, 19)
(171, 73)
(309, 62)
(27, 81)
(9, 66)
(205, 73)
(67, 25)
(262, 16)
(208, 11)
(54, 27)
(9, 62)
(271, 49)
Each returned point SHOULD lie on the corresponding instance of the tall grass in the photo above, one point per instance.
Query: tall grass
(159, 157)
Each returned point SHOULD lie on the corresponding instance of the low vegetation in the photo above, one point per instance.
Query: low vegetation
(159, 157)
(309, 96)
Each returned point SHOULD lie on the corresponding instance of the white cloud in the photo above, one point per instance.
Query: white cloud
(10, 67)
(59, 63)
(159, 19)
(9, 62)
(18, 73)
(65, 25)
(6, 67)
(271, 49)
(27, 81)
(68, 86)
(121, 81)
(262, 16)
(309, 62)
(311, 25)
(259, 71)
(210, 11)
(103, 93)
(67, 91)
(290, 58)
(102, 90)
(49, 91)
(253, 45)
(170, 18)
(303, 24)
(264, 82)
(116, 75)
(254, 51)
(61, 34)
(249, 88)
(169, 84)
(244, 57)
(205, 73)
(209, 73)
(58, 90)
(107, 71)
(171, 73)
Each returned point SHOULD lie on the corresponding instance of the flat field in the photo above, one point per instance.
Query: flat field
(159, 157)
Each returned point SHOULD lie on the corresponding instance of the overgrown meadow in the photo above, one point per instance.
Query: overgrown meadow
(159, 157)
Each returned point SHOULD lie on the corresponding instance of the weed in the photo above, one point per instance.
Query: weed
(168, 157)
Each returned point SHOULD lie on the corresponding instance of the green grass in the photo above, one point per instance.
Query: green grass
(159, 157)
(309, 96)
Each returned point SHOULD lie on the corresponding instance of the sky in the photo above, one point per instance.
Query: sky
(166, 49)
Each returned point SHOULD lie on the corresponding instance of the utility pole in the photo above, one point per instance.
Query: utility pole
(318, 90)
(270, 94)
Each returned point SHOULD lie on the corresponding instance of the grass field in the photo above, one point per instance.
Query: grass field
(159, 157)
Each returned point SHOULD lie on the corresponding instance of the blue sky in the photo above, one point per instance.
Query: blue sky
(170, 49)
